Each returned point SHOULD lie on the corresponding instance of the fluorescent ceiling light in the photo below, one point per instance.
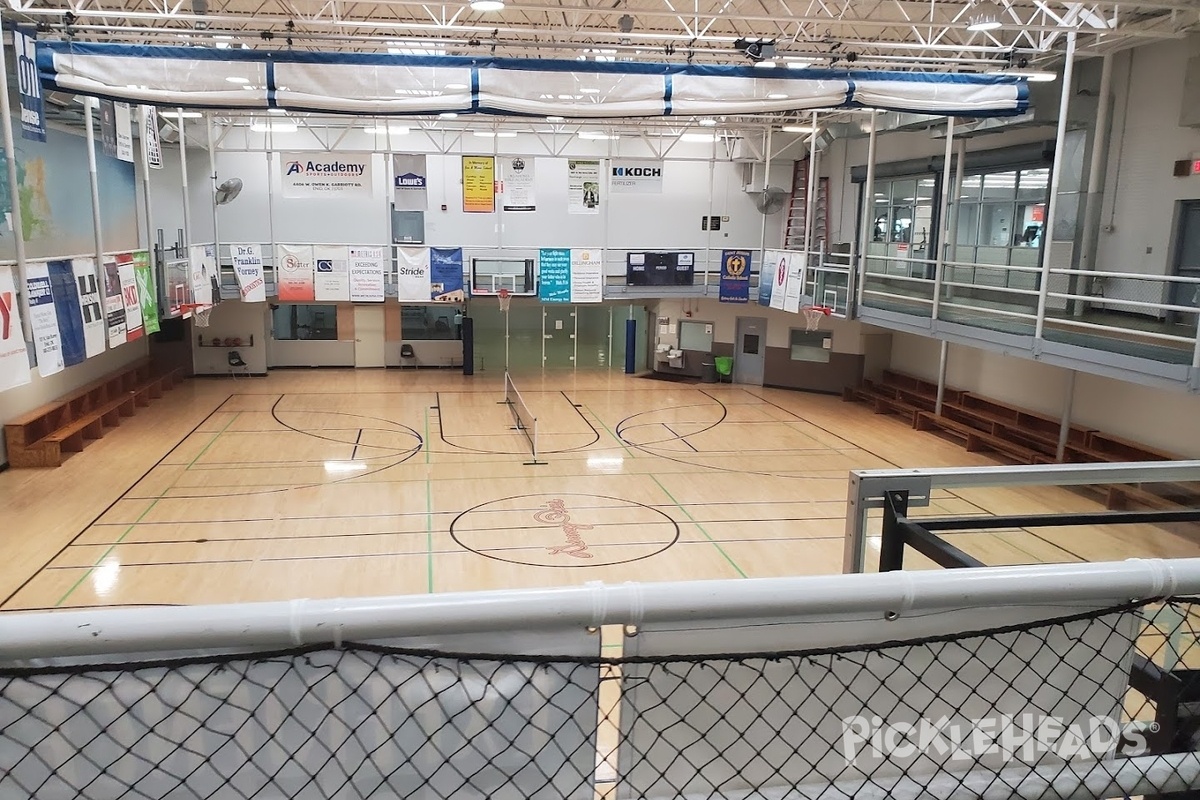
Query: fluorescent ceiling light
(487, 5)
(699, 137)
(384, 130)
(273, 127)
(183, 114)
(454, 87)
(1031, 75)
(237, 79)
(799, 63)
(777, 96)
(707, 122)
(799, 129)
(765, 64)
(554, 119)
(249, 88)
(276, 110)
(590, 90)
(984, 16)
(447, 115)
(596, 136)
(495, 134)
(222, 45)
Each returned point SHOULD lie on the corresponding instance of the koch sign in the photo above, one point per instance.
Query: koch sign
(641, 177)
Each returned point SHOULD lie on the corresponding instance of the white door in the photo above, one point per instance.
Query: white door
(368, 336)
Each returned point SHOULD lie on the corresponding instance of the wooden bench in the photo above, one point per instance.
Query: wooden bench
(920, 386)
(41, 437)
(1043, 426)
(882, 402)
(975, 439)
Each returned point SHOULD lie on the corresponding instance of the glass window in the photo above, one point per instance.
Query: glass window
(968, 224)
(996, 225)
(810, 345)
(903, 192)
(750, 344)
(971, 187)
(1034, 185)
(999, 186)
(304, 322)
(695, 336)
(441, 321)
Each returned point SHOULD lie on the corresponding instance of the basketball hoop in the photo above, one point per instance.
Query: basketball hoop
(200, 314)
(812, 316)
(505, 298)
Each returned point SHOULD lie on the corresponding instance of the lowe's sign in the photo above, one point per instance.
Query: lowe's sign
(642, 177)
(29, 87)
(333, 175)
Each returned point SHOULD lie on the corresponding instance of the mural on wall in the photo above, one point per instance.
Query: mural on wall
(56, 210)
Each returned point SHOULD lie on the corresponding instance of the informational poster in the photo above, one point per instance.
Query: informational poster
(91, 305)
(587, 275)
(153, 141)
(367, 267)
(410, 179)
(248, 267)
(554, 275)
(636, 177)
(294, 272)
(773, 278)
(68, 312)
(43, 319)
(29, 86)
(147, 290)
(479, 184)
(765, 284)
(797, 274)
(735, 276)
(325, 175)
(413, 274)
(446, 275)
(114, 303)
(583, 187)
(108, 128)
(124, 131)
(14, 359)
(129, 293)
(517, 183)
(202, 259)
(332, 283)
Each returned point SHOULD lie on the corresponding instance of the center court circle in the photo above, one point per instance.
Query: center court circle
(564, 530)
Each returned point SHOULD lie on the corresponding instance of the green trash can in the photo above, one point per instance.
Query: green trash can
(724, 367)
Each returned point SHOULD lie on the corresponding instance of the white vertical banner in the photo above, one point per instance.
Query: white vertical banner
(114, 303)
(409, 182)
(413, 282)
(248, 267)
(367, 267)
(43, 319)
(202, 259)
(795, 283)
(153, 141)
(332, 281)
(124, 122)
(14, 359)
(583, 187)
(775, 270)
(294, 272)
(516, 183)
(587, 275)
(91, 305)
(133, 304)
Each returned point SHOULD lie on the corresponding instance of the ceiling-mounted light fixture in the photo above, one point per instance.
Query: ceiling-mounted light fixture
(756, 50)
(707, 122)
(625, 24)
(984, 16)
(487, 5)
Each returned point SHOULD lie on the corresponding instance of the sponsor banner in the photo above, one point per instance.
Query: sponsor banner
(773, 260)
(129, 294)
(202, 259)
(294, 272)
(413, 282)
(636, 177)
(248, 267)
(410, 179)
(587, 275)
(67, 312)
(554, 275)
(147, 290)
(794, 292)
(367, 267)
(14, 358)
(779, 267)
(29, 86)
(479, 184)
(583, 187)
(735, 276)
(311, 175)
(516, 184)
(152, 140)
(91, 306)
(108, 128)
(332, 283)
(446, 274)
(114, 303)
(43, 319)
(124, 130)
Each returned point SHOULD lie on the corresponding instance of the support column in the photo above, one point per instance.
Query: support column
(868, 210)
(183, 177)
(943, 357)
(762, 244)
(939, 263)
(960, 165)
(1064, 426)
(1095, 189)
(810, 195)
(1064, 106)
(89, 120)
(14, 197)
(212, 169)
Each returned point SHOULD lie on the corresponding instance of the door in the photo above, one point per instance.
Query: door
(750, 350)
(558, 336)
(1187, 258)
(368, 336)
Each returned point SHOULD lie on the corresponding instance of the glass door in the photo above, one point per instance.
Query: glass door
(558, 336)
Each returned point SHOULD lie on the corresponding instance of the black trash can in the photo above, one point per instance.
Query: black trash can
(708, 370)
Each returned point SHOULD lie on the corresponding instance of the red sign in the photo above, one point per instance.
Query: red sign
(1038, 214)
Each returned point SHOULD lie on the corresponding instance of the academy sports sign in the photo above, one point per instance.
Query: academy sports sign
(313, 175)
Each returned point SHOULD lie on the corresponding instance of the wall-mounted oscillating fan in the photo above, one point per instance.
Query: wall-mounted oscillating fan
(770, 199)
(228, 190)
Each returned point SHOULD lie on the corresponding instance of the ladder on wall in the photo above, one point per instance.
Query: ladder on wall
(793, 231)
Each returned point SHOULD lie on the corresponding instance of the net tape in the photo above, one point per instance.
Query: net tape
(365, 721)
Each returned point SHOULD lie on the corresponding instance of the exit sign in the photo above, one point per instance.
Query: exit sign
(1185, 168)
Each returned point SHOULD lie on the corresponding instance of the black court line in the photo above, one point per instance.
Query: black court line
(357, 439)
(461, 448)
(680, 438)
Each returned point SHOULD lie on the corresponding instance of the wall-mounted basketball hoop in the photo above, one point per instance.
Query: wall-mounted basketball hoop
(813, 316)
(505, 298)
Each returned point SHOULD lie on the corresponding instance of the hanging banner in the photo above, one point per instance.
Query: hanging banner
(331, 175)
(587, 275)
(294, 272)
(413, 282)
(446, 274)
(773, 260)
(479, 184)
(152, 139)
(67, 312)
(636, 177)
(583, 187)
(29, 86)
(248, 267)
(332, 283)
(114, 303)
(517, 183)
(124, 126)
(779, 267)
(735, 276)
(90, 305)
(108, 128)
(367, 267)
(202, 259)
(14, 358)
(797, 275)
(147, 291)
(554, 275)
(410, 180)
(43, 319)
(129, 293)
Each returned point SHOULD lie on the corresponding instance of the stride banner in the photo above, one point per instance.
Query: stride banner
(412, 274)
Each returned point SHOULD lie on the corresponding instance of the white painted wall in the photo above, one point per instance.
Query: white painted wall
(233, 320)
(848, 336)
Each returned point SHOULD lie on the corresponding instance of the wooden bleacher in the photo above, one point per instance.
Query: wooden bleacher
(41, 437)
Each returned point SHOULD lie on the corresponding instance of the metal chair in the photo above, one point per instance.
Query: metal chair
(408, 356)
(236, 362)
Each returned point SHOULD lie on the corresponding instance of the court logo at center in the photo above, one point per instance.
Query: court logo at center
(564, 530)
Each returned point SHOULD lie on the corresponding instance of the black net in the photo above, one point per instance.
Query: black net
(1099, 700)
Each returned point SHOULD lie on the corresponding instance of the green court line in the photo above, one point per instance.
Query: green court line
(686, 513)
(427, 434)
(428, 510)
(142, 516)
(616, 438)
